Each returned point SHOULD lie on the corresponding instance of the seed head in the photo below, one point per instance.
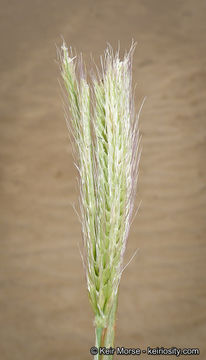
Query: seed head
(106, 138)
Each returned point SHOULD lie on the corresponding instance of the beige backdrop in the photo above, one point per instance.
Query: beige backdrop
(44, 309)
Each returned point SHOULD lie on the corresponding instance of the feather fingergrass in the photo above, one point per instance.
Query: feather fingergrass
(106, 137)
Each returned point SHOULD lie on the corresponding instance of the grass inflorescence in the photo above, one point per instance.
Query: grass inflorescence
(106, 137)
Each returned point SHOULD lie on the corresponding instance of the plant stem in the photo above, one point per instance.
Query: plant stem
(105, 337)
(98, 332)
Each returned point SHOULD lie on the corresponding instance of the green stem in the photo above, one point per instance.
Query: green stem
(98, 332)
(105, 336)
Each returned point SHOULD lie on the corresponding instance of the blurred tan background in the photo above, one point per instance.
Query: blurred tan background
(44, 309)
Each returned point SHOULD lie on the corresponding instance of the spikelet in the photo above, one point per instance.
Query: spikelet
(106, 137)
